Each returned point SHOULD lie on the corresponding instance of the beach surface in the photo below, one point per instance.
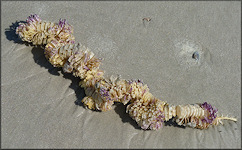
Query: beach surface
(152, 41)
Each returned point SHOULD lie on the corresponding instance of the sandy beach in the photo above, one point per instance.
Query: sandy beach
(152, 41)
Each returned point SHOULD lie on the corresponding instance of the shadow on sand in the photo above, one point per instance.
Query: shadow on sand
(39, 58)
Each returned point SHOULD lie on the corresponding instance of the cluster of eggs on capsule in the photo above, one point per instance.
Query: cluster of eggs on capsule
(148, 111)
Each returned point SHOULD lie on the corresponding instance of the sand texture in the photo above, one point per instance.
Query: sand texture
(40, 103)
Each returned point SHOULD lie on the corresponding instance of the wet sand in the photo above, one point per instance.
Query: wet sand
(188, 52)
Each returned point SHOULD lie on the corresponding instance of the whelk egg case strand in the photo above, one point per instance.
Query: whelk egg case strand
(148, 111)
